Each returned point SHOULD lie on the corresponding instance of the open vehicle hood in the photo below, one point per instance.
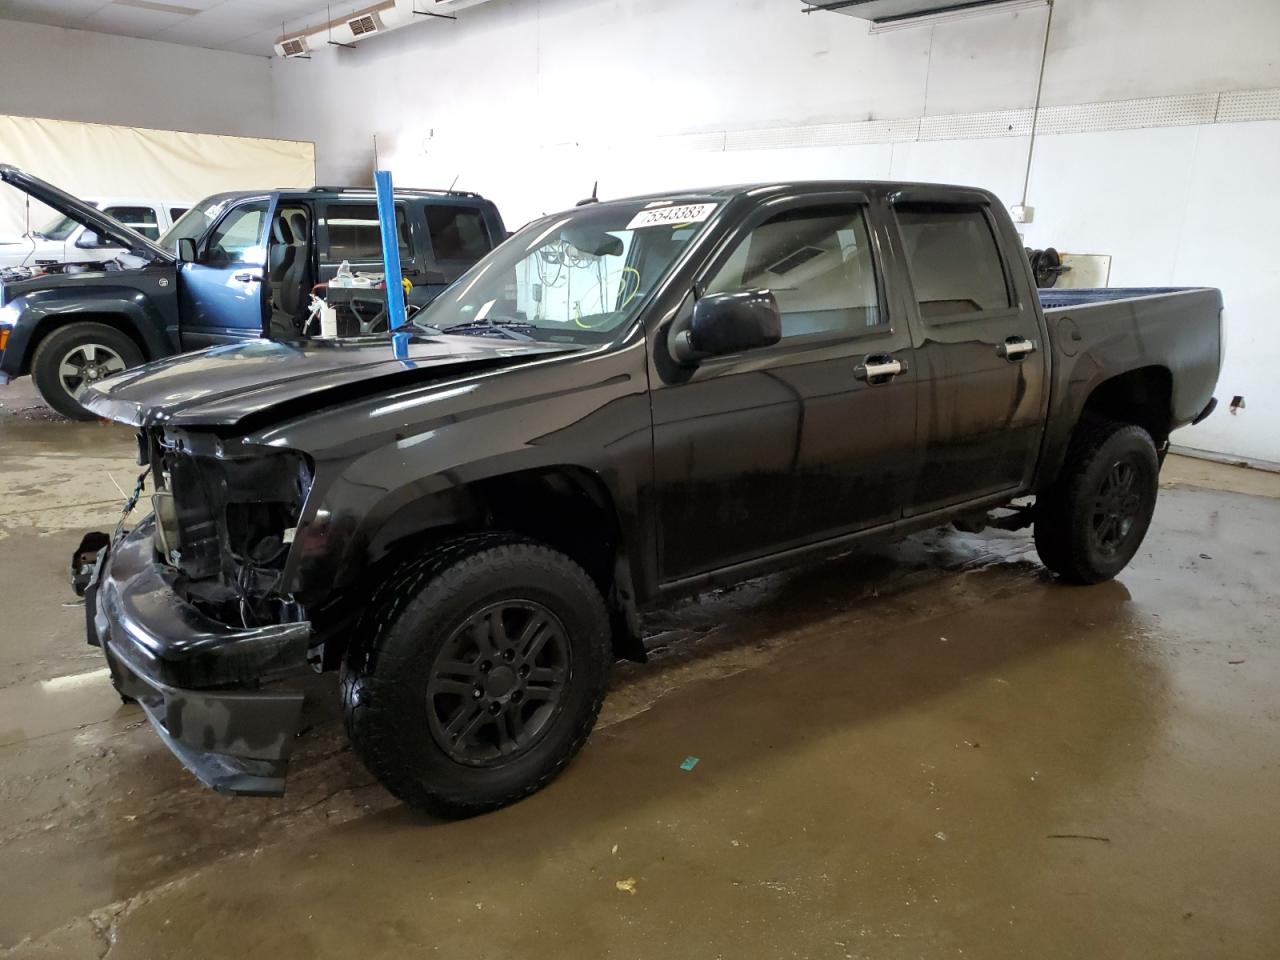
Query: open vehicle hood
(81, 212)
(224, 386)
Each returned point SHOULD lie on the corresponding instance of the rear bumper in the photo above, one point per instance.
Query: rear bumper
(198, 680)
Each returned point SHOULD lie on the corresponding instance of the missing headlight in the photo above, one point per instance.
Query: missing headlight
(257, 533)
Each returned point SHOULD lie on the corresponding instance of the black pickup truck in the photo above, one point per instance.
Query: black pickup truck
(624, 403)
(235, 267)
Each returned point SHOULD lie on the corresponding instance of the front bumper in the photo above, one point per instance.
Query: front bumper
(197, 679)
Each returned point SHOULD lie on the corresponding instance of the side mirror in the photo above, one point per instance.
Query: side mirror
(89, 240)
(186, 250)
(733, 322)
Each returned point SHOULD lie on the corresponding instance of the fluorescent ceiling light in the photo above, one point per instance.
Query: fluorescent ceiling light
(157, 7)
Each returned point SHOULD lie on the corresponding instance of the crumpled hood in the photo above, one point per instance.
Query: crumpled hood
(223, 386)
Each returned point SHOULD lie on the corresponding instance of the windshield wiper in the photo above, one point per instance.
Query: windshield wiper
(500, 329)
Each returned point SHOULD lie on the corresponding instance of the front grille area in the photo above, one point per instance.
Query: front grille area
(225, 517)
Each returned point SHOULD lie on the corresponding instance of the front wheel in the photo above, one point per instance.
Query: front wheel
(477, 674)
(79, 354)
(1091, 522)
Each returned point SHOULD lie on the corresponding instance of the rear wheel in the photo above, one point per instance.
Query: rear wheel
(1092, 521)
(478, 674)
(76, 355)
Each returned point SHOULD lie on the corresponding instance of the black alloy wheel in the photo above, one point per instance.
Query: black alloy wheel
(1116, 506)
(1091, 521)
(498, 682)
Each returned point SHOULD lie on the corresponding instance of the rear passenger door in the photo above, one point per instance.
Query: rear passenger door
(809, 439)
(979, 355)
(349, 230)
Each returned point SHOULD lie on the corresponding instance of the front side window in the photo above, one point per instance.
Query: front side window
(237, 239)
(457, 232)
(356, 234)
(577, 277)
(818, 264)
(194, 223)
(953, 258)
(139, 219)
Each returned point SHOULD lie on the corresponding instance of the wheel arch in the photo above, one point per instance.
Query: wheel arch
(568, 507)
(125, 320)
(1142, 396)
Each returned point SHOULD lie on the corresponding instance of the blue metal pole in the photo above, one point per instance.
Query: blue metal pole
(391, 261)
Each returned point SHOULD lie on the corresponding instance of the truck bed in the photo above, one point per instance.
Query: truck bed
(1171, 333)
(1086, 296)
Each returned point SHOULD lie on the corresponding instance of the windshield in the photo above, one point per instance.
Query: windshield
(193, 224)
(575, 277)
(60, 227)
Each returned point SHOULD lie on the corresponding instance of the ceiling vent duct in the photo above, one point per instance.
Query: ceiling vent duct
(372, 21)
(889, 14)
(292, 47)
(363, 26)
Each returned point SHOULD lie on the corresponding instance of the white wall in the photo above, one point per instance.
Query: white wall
(529, 101)
(100, 78)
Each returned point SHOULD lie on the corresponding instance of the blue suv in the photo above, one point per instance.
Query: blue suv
(236, 266)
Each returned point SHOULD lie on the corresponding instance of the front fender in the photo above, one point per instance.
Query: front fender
(40, 311)
(387, 468)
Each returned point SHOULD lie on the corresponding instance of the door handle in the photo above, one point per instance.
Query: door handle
(879, 368)
(1015, 349)
(247, 278)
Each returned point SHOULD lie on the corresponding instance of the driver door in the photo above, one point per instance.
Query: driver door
(224, 296)
(786, 446)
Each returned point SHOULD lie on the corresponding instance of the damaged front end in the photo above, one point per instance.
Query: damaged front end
(192, 611)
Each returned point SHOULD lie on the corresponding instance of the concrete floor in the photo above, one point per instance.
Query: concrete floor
(930, 750)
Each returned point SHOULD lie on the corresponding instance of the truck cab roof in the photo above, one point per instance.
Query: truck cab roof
(764, 189)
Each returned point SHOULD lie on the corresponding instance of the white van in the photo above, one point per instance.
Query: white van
(63, 240)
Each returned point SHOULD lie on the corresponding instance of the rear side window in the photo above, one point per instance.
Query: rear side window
(817, 261)
(457, 232)
(954, 261)
(354, 233)
(141, 219)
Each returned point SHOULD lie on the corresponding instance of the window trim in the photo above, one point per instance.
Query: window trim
(729, 244)
(981, 207)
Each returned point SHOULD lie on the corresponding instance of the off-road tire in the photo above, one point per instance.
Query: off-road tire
(51, 350)
(1066, 524)
(406, 626)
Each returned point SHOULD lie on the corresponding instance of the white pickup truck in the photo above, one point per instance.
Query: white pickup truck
(63, 240)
